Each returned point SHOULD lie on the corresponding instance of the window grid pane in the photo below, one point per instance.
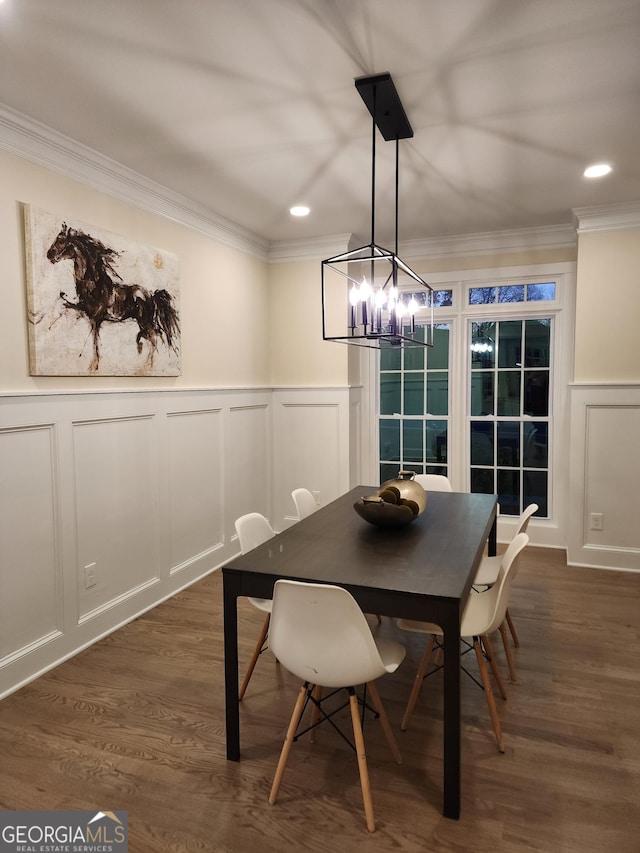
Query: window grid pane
(513, 293)
(509, 448)
(414, 408)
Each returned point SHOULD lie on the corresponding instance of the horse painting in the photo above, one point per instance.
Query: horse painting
(101, 295)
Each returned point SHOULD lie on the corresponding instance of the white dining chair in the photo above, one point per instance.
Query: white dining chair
(487, 575)
(483, 614)
(434, 482)
(319, 633)
(253, 529)
(305, 503)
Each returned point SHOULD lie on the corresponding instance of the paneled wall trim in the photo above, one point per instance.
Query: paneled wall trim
(111, 502)
(604, 476)
(311, 446)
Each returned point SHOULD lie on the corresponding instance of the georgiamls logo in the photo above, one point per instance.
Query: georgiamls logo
(105, 833)
(100, 815)
(63, 831)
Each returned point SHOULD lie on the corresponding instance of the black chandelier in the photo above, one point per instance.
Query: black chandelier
(384, 302)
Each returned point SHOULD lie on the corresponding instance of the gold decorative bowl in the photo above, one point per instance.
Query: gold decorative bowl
(395, 504)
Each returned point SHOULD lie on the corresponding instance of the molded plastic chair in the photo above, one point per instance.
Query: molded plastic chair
(305, 502)
(319, 633)
(487, 575)
(253, 529)
(483, 614)
(434, 482)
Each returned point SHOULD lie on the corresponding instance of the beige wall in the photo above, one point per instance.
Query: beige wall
(249, 323)
(224, 297)
(608, 306)
(245, 323)
(299, 355)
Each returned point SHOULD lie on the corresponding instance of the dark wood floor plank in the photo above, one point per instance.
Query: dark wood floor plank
(136, 722)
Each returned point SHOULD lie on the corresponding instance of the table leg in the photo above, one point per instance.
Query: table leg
(452, 716)
(232, 714)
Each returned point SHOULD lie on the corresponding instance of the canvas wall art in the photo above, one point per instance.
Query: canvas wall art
(99, 304)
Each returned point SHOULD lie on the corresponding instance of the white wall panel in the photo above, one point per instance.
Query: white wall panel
(146, 485)
(612, 474)
(311, 448)
(195, 485)
(604, 476)
(247, 460)
(310, 435)
(29, 554)
(116, 493)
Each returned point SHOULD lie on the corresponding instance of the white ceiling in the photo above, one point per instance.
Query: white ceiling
(249, 106)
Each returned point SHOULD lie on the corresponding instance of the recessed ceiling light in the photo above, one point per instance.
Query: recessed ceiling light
(299, 210)
(598, 170)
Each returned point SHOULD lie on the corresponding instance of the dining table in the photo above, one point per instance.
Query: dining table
(422, 571)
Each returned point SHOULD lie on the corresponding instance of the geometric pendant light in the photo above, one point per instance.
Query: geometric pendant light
(370, 297)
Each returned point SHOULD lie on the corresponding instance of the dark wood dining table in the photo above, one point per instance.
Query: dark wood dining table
(423, 571)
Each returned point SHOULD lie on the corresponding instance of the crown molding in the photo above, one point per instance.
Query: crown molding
(484, 243)
(609, 217)
(491, 242)
(283, 251)
(33, 141)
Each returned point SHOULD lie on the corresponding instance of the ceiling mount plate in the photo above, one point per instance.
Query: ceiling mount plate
(383, 102)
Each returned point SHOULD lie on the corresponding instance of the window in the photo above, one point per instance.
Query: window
(485, 405)
(537, 292)
(510, 370)
(414, 407)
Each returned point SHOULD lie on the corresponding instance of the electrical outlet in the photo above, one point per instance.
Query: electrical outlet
(89, 575)
(597, 521)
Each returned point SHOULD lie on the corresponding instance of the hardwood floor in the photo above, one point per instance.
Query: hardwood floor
(137, 723)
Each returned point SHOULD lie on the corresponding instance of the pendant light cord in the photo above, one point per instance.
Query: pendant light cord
(397, 164)
(373, 169)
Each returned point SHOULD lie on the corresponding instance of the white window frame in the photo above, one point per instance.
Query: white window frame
(551, 531)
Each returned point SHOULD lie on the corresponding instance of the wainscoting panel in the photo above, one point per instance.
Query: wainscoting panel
(111, 502)
(116, 495)
(605, 472)
(247, 461)
(30, 579)
(311, 446)
(612, 472)
(196, 523)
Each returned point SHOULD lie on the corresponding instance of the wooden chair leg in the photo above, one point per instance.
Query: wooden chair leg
(254, 658)
(514, 634)
(288, 741)
(362, 761)
(486, 643)
(417, 684)
(507, 651)
(384, 722)
(484, 675)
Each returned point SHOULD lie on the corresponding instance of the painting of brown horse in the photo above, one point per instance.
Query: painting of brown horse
(122, 326)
